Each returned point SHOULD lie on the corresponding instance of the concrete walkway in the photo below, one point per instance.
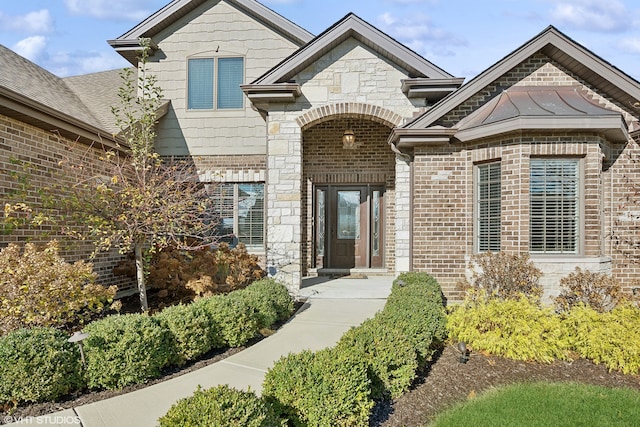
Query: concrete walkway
(331, 308)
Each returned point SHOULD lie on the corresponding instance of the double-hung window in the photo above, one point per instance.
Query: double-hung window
(554, 221)
(215, 83)
(239, 208)
(488, 206)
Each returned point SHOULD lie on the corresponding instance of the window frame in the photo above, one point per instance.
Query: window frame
(579, 208)
(215, 83)
(235, 208)
(477, 200)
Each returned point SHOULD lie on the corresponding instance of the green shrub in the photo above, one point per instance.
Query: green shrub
(237, 321)
(221, 406)
(390, 357)
(38, 365)
(597, 290)
(518, 329)
(126, 349)
(270, 299)
(38, 288)
(415, 308)
(193, 329)
(612, 338)
(504, 276)
(326, 388)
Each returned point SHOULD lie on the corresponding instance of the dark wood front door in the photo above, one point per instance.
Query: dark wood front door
(349, 221)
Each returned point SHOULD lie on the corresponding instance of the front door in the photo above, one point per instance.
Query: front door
(348, 226)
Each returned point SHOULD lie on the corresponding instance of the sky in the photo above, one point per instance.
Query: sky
(463, 37)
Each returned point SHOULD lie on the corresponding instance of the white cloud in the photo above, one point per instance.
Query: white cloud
(32, 48)
(630, 45)
(65, 63)
(133, 10)
(38, 22)
(592, 15)
(419, 34)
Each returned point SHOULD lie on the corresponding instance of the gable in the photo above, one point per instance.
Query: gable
(550, 59)
(421, 78)
(128, 45)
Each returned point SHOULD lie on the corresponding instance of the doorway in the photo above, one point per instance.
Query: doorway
(349, 226)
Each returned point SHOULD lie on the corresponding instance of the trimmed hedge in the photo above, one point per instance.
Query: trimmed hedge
(38, 365)
(415, 308)
(325, 388)
(221, 406)
(236, 320)
(126, 349)
(378, 359)
(193, 330)
(270, 299)
(391, 359)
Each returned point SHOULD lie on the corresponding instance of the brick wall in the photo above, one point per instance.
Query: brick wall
(42, 151)
(443, 211)
(325, 161)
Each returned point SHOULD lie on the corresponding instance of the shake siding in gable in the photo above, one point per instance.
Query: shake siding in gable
(217, 31)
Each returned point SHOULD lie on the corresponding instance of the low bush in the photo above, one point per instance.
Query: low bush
(221, 406)
(325, 388)
(596, 290)
(237, 321)
(517, 329)
(193, 330)
(38, 288)
(38, 365)
(390, 357)
(270, 299)
(504, 276)
(126, 349)
(612, 338)
(415, 308)
(179, 274)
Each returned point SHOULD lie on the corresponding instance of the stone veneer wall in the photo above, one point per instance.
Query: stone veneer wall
(325, 161)
(42, 151)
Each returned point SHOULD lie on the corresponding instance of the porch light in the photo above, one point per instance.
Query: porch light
(78, 337)
(349, 139)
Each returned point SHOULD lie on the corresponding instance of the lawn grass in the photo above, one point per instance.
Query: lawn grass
(546, 404)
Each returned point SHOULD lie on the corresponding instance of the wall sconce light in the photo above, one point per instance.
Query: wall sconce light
(349, 139)
(464, 352)
(78, 337)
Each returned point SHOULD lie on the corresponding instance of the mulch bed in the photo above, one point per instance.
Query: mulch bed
(448, 381)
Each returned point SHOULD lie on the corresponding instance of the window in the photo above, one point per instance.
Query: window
(240, 208)
(215, 80)
(488, 207)
(554, 206)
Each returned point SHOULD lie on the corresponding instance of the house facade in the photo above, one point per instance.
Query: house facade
(347, 152)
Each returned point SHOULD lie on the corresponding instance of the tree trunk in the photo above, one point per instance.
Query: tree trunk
(142, 288)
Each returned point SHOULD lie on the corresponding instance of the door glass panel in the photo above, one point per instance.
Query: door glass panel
(320, 218)
(348, 214)
(375, 227)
